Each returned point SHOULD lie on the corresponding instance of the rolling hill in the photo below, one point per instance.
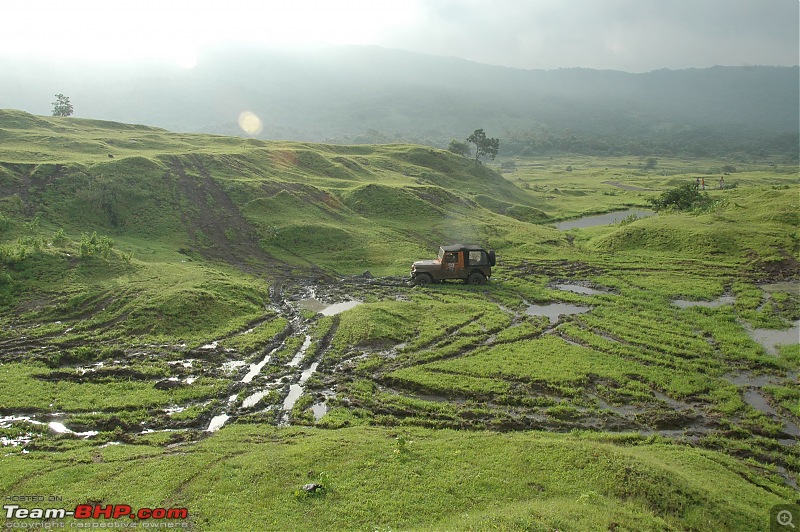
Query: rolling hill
(173, 335)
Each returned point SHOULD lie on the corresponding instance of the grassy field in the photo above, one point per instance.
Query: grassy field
(150, 291)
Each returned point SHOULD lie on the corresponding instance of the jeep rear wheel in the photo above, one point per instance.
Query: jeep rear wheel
(422, 279)
(476, 278)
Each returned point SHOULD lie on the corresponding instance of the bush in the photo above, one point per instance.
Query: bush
(93, 246)
(5, 223)
(684, 197)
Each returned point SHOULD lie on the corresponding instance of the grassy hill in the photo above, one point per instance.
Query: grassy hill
(151, 286)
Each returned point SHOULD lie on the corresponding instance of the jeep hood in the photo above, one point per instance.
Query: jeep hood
(426, 263)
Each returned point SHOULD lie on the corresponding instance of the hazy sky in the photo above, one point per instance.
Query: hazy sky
(630, 35)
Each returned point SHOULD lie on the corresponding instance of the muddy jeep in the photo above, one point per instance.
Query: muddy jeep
(473, 264)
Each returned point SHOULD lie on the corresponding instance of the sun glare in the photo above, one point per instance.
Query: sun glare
(173, 31)
(250, 123)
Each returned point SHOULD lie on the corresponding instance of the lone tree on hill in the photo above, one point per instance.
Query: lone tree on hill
(483, 144)
(62, 107)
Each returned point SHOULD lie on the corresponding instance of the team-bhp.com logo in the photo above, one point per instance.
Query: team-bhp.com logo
(94, 511)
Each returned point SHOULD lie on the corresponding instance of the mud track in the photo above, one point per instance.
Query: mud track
(290, 369)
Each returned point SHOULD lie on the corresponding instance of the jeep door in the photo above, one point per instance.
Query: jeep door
(453, 265)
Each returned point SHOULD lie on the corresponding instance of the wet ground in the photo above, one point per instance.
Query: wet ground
(284, 381)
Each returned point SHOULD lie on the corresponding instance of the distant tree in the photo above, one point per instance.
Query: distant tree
(483, 144)
(459, 148)
(728, 169)
(62, 107)
(651, 163)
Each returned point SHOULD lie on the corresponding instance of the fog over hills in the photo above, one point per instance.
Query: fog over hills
(320, 94)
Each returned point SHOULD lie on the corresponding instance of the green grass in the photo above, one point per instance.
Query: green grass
(449, 407)
(413, 479)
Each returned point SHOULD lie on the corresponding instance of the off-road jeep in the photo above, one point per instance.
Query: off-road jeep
(473, 264)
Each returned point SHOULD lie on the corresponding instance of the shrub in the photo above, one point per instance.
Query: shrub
(683, 198)
(5, 223)
(93, 246)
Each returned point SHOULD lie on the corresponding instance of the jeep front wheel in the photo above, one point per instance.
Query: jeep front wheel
(422, 279)
(476, 278)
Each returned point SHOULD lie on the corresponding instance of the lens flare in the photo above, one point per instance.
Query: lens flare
(250, 123)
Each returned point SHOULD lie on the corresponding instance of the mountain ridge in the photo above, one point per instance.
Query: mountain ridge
(333, 92)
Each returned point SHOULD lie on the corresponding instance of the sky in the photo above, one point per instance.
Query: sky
(628, 35)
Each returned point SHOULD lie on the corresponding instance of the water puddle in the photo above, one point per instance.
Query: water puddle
(722, 300)
(555, 310)
(233, 365)
(252, 400)
(319, 410)
(602, 219)
(771, 338)
(625, 410)
(745, 378)
(255, 369)
(217, 422)
(579, 289)
(175, 409)
(670, 402)
(23, 439)
(757, 401)
(186, 363)
(325, 309)
(789, 287)
(59, 428)
(301, 353)
(296, 390)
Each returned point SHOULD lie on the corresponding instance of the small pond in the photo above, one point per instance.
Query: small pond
(602, 219)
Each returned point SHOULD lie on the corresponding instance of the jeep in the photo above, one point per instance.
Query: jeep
(471, 263)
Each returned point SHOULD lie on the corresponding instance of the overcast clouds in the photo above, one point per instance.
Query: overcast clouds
(629, 35)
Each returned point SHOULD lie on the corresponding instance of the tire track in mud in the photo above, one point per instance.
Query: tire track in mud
(287, 378)
(214, 215)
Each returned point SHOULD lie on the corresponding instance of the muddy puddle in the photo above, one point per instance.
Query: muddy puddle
(770, 339)
(745, 378)
(296, 390)
(760, 403)
(602, 219)
(255, 369)
(301, 353)
(554, 311)
(319, 410)
(788, 287)
(580, 289)
(55, 427)
(326, 309)
(252, 400)
(217, 422)
(722, 300)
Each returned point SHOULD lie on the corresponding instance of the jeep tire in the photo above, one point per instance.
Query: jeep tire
(476, 278)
